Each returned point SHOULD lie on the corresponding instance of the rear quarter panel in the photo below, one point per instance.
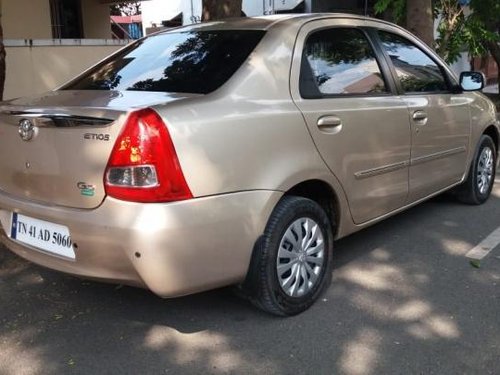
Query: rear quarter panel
(248, 135)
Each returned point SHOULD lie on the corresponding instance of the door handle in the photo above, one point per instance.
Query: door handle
(420, 116)
(330, 124)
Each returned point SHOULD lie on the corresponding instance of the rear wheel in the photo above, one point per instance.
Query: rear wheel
(292, 262)
(477, 188)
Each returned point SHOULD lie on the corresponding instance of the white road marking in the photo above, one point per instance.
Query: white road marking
(485, 246)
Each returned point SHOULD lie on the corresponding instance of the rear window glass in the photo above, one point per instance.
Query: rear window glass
(195, 62)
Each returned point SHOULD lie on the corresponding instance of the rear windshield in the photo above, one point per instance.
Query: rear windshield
(195, 62)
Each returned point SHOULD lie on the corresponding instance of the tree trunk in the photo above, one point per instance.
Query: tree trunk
(494, 49)
(2, 56)
(218, 9)
(420, 20)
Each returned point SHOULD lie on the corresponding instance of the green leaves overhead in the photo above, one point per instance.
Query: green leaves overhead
(397, 9)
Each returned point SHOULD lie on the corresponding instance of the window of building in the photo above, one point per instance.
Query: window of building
(66, 18)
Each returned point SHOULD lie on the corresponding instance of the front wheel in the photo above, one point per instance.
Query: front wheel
(477, 188)
(292, 262)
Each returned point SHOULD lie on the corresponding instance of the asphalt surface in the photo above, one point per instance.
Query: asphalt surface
(404, 299)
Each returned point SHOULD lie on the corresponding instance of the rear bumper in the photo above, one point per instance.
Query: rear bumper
(173, 249)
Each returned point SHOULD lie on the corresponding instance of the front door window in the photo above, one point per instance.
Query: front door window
(416, 71)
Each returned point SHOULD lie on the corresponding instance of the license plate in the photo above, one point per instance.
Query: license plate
(43, 235)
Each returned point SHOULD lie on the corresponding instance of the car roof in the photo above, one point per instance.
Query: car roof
(267, 22)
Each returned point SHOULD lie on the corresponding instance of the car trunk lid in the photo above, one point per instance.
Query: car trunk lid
(55, 147)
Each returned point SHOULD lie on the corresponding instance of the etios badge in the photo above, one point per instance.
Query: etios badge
(26, 130)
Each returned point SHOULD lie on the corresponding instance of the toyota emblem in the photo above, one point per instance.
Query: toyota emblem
(26, 130)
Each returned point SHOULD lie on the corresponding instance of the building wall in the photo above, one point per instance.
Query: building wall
(36, 69)
(96, 23)
(155, 11)
(35, 62)
(462, 64)
(26, 19)
(30, 19)
(489, 67)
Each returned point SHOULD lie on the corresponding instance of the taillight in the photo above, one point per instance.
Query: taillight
(143, 166)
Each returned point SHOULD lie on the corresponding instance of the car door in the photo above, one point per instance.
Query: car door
(439, 116)
(359, 127)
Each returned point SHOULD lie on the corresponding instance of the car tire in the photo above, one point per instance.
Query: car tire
(290, 270)
(476, 189)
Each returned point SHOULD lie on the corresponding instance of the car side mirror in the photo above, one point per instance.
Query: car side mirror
(471, 81)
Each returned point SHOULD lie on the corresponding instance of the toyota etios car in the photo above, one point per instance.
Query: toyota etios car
(237, 152)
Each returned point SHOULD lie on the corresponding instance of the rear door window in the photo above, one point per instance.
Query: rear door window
(339, 61)
(195, 62)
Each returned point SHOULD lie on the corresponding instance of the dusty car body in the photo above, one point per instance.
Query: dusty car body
(292, 150)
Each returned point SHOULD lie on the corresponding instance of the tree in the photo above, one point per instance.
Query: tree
(476, 32)
(450, 40)
(126, 9)
(420, 20)
(415, 15)
(484, 22)
(2, 57)
(218, 9)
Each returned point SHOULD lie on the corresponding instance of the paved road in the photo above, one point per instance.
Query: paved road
(404, 300)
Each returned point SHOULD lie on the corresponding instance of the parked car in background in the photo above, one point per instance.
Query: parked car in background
(237, 152)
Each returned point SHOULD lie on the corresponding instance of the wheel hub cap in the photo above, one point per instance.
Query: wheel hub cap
(300, 257)
(484, 170)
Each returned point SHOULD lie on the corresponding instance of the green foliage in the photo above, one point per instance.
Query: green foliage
(452, 25)
(397, 9)
(475, 263)
(475, 35)
(487, 12)
(484, 23)
(457, 31)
